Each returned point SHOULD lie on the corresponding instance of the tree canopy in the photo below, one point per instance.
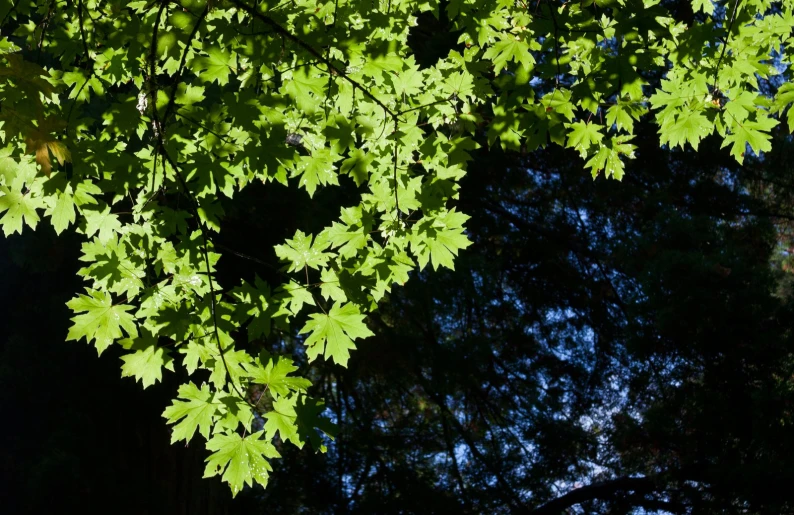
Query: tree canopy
(327, 146)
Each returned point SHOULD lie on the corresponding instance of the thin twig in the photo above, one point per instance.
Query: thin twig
(725, 44)
(158, 130)
(396, 184)
(178, 76)
(295, 39)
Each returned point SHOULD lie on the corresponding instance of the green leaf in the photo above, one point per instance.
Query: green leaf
(197, 411)
(301, 252)
(353, 234)
(690, 126)
(293, 297)
(508, 49)
(237, 412)
(147, 362)
(623, 115)
(215, 66)
(7, 47)
(306, 90)
(358, 166)
(82, 84)
(241, 460)
(329, 286)
(187, 94)
(311, 425)
(409, 82)
(282, 420)
(752, 133)
(332, 333)
(255, 302)
(316, 170)
(103, 222)
(63, 214)
(703, 5)
(608, 158)
(101, 320)
(583, 135)
(783, 101)
(439, 239)
(19, 207)
(196, 353)
(230, 367)
(275, 374)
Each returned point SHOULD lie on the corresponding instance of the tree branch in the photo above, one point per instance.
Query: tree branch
(158, 133)
(604, 490)
(725, 45)
(314, 52)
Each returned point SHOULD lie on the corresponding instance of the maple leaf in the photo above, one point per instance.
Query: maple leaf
(187, 94)
(783, 99)
(353, 234)
(255, 302)
(195, 353)
(101, 321)
(689, 126)
(63, 213)
(332, 333)
(237, 411)
(41, 143)
(282, 420)
(438, 239)
(608, 158)
(358, 166)
(292, 297)
(7, 47)
(739, 108)
(19, 207)
(84, 193)
(752, 133)
(409, 81)
(215, 66)
(275, 374)
(703, 5)
(380, 66)
(623, 115)
(241, 460)
(305, 89)
(230, 365)
(583, 135)
(82, 83)
(197, 411)
(310, 422)
(329, 286)
(301, 252)
(316, 170)
(14, 173)
(103, 222)
(147, 362)
(509, 49)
